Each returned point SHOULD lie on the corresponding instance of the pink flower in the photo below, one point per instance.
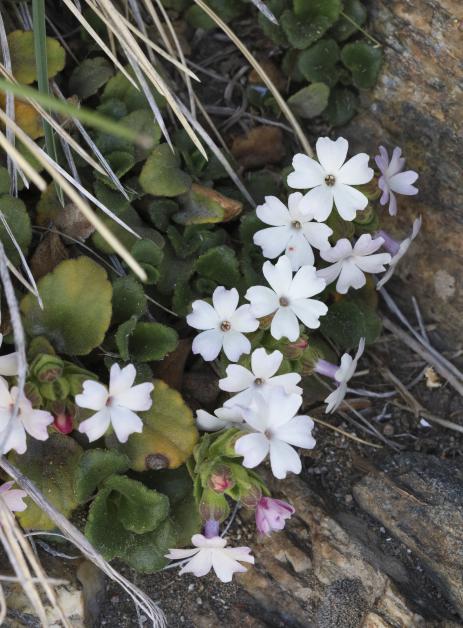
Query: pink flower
(271, 515)
(393, 180)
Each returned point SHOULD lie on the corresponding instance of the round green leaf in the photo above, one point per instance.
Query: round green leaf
(301, 32)
(330, 9)
(161, 175)
(357, 13)
(22, 52)
(364, 61)
(128, 299)
(91, 74)
(77, 306)
(145, 342)
(318, 64)
(310, 101)
(342, 106)
(347, 321)
(220, 265)
(18, 220)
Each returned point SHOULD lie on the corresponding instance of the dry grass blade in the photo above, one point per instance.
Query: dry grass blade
(264, 76)
(16, 156)
(146, 605)
(118, 247)
(263, 8)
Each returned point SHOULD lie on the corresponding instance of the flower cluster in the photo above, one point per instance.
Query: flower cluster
(263, 412)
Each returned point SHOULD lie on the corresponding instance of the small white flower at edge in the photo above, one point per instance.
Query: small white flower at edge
(331, 180)
(224, 325)
(340, 374)
(222, 418)
(210, 554)
(13, 497)
(13, 431)
(276, 429)
(288, 298)
(397, 250)
(392, 179)
(351, 263)
(116, 406)
(246, 383)
(293, 232)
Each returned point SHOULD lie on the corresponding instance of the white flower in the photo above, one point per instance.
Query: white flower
(331, 180)
(116, 406)
(276, 429)
(8, 363)
(13, 431)
(289, 298)
(293, 232)
(223, 323)
(393, 179)
(351, 264)
(212, 553)
(259, 379)
(342, 376)
(13, 497)
(222, 418)
(397, 250)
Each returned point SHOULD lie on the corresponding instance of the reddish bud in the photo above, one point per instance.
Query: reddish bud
(221, 479)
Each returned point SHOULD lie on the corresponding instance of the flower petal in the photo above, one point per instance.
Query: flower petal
(341, 250)
(402, 182)
(263, 300)
(125, 422)
(9, 364)
(331, 154)
(200, 564)
(283, 459)
(235, 344)
(14, 437)
(137, 398)
(36, 422)
(14, 500)
(94, 396)
(238, 378)
(318, 202)
(253, 447)
(279, 275)
(121, 379)
(350, 277)
(335, 398)
(281, 407)
(317, 234)
(244, 319)
(330, 273)
(96, 425)
(356, 170)
(348, 200)
(309, 311)
(273, 240)
(285, 324)
(273, 212)
(178, 554)
(307, 173)
(203, 316)
(366, 245)
(264, 365)
(288, 382)
(208, 344)
(225, 566)
(299, 251)
(306, 283)
(373, 263)
(297, 432)
(225, 302)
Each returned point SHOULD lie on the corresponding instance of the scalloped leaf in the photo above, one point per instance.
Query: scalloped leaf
(77, 306)
(128, 299)
(169, 433)
(364, 61)
(301, 32)
(145, 342)
(18, 220)
(161, 174)
(220, 265)
(22, 52)
(96, 466)
(318, 64)
(331, 9)
(310, 101)
(51, 465)
(344, 28)
(341, 106)
(91, 74)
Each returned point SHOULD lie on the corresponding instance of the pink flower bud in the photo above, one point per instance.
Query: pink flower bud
(220, 479)
(63, 423)
(271, 515)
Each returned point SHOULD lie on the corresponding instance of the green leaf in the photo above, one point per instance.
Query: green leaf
(220, 265)
(318, 64)
(91, 74)
(227, 9)
(95, 466)
(18, 220)
(161, 175)
(51, 465)
(150, 256)
(301, 32)
(146, 553)
(120, 88)
(22, 52)
(347, 321)
(330, 9)
(160, 212)
(197, 18)
(5, 181)
(364, 61)
(145, 342)
(141, 121)
(128, 299)
(169, 433)
(342, 106)
(357, 13)
(310, 101)
(77, 306)
(203, 205)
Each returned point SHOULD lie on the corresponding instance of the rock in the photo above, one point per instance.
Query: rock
(418, 105)
(419, 499)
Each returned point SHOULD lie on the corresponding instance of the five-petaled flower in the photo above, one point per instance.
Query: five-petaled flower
(115, 406)
(331, 180)
(349, 264)
(341, 375)
(397, 250)
(246, 383)
(392, 180)
(224, 325)
(13, 428)
(288, 298)
(293, 231)
(271, 515)
(212, 553)
(13, 497)
(276, 428)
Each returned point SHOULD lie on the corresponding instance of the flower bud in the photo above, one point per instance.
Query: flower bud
(37, 346)
(309, 358)
(213, 506)
(64, 413)
(57, 389)
(251, 497)
(47, 368)
(294, 350)
(221, 479)
(32, 392)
